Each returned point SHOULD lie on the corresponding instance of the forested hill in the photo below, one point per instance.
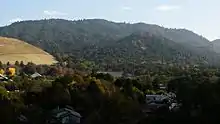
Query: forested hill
(216, 44)
(63, 36)
(53, 32)
(141, 47)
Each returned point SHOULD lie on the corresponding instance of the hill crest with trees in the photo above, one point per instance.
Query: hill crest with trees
(80, 37)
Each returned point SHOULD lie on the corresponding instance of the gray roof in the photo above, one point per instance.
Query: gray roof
(65, 116)
(61, 111)
(36, 75)
(114, 74)
(3, 77)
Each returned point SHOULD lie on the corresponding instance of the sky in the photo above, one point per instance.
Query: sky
(200, 16)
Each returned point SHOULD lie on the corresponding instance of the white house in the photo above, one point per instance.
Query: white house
(36, 75)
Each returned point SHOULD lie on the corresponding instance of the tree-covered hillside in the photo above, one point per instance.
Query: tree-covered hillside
(88, 38)
(57, 32)
(139, 48)
(216, 44)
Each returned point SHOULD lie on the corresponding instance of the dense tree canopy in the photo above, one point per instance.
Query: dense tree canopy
(113, 45)
(153, 60)
(101, 98)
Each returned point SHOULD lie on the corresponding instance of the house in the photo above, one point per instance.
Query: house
(23, 119)
(114, 74)
(64, 115)
(3, 78)
(157, 62)
(156, 103)
(155, 98)
(162, 86)
(128, 75)
(36, 75)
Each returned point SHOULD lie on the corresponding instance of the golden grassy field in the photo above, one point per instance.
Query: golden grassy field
(12, 50)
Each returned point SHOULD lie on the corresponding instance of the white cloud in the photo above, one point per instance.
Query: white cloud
(126, 8)
(15, 20)
(54, 13)
(167, 7)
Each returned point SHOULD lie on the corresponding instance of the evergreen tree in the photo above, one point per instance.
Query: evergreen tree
(8, 63)
(17, 63)
(21, 64)
(1, 64)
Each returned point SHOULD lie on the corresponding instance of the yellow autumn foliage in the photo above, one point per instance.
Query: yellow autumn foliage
(100, 85)
(2, 71)
(11, 71)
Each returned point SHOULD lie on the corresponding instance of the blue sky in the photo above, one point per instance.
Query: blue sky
(200, 16)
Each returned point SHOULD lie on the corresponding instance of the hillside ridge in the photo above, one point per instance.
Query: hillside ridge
(70, 37)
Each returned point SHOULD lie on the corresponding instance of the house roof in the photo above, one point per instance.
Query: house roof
(63, 111)
(114, 74)
(36, 75)
(3, 77)
(65, 116)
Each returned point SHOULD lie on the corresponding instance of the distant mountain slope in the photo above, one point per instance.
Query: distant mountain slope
(151, 45)
(57, 36)
(216, 44)
(184, 37)
(63, 35)
(140, 48)
(12, 50)
(177, 35)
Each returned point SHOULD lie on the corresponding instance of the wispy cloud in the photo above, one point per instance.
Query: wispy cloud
(15, 20)
(54, 13)
(167, 7)
(126, 8)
